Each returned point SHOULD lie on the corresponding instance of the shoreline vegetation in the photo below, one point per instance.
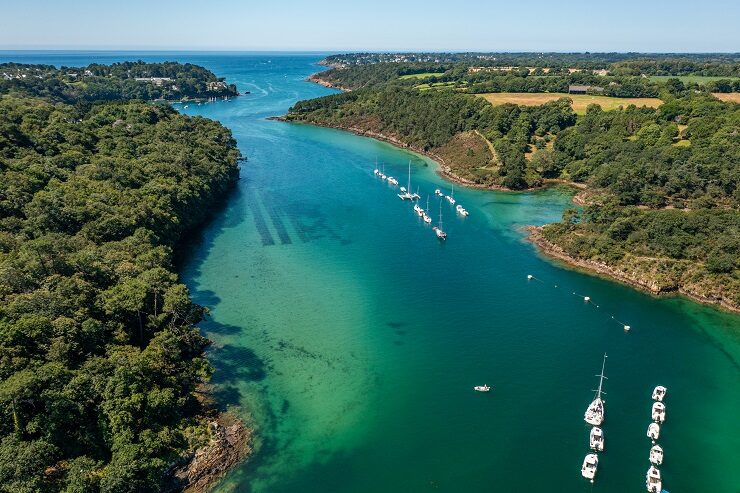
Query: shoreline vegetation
(103, 380)
(713, 281)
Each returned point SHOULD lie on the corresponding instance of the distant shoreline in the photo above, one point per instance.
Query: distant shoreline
(545, 247)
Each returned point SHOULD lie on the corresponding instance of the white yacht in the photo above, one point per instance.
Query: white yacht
(588, 469)
(406, 192)
(438, 192)
(659, 393)
(656, 455)
(596, 439)
(482, 388)
(438, 229)
(595, 413)
(653, 431)
(461, 210)
(658, 412)
(425, 216)
(652, 480)
(392, 180)
(451, 198)
(417, 208)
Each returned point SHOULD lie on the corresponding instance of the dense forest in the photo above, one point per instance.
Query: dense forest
(95, 82)
(99, 356)
(662, 185)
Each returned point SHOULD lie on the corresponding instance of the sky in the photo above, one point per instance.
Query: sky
(372, 25)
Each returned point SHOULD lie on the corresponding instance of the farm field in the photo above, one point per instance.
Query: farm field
(699, 79)
(580, 101)
(728, 97)
(421, 76)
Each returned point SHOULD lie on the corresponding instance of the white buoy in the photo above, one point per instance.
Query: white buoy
(529, 276)
(627, 328)
(586, 298)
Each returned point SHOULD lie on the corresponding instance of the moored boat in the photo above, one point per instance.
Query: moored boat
(596, 439)
(658, 412)
(482, 388)
(595, 412)
(438, 192)
(438, 229)
(656, 455)
(652, 480)
(588, 469)
(659, 393)
(653, 431)
(461, 210)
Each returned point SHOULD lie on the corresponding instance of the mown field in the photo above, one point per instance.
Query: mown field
(422, 75)
(580, 101)
(730, 97)
(699, 79)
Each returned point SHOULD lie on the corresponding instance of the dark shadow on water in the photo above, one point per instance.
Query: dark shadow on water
(234, 365)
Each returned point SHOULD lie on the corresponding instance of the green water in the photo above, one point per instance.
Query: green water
(352, 338)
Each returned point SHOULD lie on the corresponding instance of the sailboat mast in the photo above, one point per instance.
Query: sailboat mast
(601, 377)
(408, 185)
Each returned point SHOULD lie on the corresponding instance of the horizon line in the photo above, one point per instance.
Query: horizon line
(349, 51)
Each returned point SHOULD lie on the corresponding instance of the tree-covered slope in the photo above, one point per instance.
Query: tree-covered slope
(99, 358)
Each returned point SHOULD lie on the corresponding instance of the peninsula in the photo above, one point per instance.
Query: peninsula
(652, 142)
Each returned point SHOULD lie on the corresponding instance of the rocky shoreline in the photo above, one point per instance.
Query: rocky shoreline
(229, 444)
(633, 279)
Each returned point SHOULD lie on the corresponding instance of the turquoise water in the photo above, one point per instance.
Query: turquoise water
(351, 338)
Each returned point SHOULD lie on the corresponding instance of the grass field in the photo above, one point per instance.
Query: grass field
(580, 101)
(730, 97)
(699, 79)
(421, 76)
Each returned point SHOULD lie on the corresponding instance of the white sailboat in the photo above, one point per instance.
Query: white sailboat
(425, 215)
(588, 469)
(461, 210)
(659, 393)
(596, 439)
(652, 480)
(595, 413)
(438, 192)
(658, 412)
(653, 431)
(406, 192)
(451, 198)
(438, 229)
(417, 208)
(376, 171)
(382, 174)
(656, 455)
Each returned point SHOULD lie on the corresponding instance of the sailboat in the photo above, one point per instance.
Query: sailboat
(406, 193)
(417, 208)
(438, 229)
(376, 171)
(425, 215)
(382, 174)
(451, 198)
(595, 413)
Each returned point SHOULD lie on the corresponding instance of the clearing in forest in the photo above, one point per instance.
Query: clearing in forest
(580, 101)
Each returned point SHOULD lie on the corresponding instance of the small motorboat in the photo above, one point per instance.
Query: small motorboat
(652, 480)
(656, 455)
(438, 192)
(653, 431)
(596, 439)
(659, 393)
(426, 218)
(461, 210)
(658, 412)
(588, 469)
(482, 388)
